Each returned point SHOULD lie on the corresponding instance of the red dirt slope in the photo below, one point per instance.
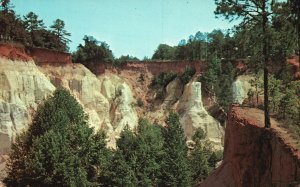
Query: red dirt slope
(13, 52)
(255, 156)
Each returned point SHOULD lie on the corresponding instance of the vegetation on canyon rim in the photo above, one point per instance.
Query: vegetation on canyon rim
(60, 149)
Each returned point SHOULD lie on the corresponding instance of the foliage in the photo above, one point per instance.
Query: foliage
(31, 30)
(223, 89)
(163, 79)
(176, 170)
(34, 26)
(124, 59)
(140, 103)
(138, 159)
(210, 76)
(164, 52)
(275, 92)
(58, 149)
(257, 83)
(218, 79)
(11, 26)
(60, 41)
(202, 157)
(92, 51)
(289, 105)
(187, 75)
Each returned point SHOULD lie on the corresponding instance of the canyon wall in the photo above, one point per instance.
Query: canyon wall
(109, 98)
(255, 156)
(153, 66)
(42, 56)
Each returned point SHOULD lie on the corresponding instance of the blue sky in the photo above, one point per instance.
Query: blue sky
(134, 27)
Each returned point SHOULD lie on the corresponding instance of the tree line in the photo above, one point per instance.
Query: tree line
(267, 35)
(31, 30)
(60, 149)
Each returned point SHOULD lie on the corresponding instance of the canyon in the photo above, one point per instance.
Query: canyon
(109, 98)
(112, 97)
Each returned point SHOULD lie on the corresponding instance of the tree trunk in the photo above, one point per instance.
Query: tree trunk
(298, 20)
(266, 71)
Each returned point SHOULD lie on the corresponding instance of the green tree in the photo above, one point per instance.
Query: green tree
(137, 161)
(295, 11)
(257, 84)
(187, 75)
(164, 52)
(216, 42)
(34, 26)
(58, 29)
(275, 92)
(124, 59)
(252, 11)
(58, 149)
(181, 51)
(11, 26)
(209, 78)
(92, 52)
(223, 89)
(199, 156)
(176, 170)
(289, 104)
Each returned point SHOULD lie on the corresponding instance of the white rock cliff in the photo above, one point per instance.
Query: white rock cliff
(107, 99)
(193, 115)
(22, 88)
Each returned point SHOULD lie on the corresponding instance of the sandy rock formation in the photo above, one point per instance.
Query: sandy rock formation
(174, 91)
(23, 87)
(193, 115)
(122, 110)
(240, 88)
(85, 87)
(107, 99)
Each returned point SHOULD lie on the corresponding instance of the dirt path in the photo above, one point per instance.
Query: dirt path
(256, 117)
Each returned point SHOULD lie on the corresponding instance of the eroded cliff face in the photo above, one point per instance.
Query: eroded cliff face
(22, 88)
(240, 88)
(255, 156)
(108, 99)
(193, 115)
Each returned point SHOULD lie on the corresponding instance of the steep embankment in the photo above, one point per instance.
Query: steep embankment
(255, 156)
(109, 99)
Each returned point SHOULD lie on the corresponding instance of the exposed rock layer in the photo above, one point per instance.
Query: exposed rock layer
(23, 87)
(255, 156)
(194, 115)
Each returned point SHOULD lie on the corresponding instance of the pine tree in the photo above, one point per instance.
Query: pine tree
(34, 26)
(58, 29)
(198, 157)
(176, 170)
(58, 148)
(258, 12)
(137, 161)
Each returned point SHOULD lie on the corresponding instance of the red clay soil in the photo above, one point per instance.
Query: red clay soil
(13, 52)
(294, 62)
(154, 67)
(48, 56)
(255, 156)
(39, 55)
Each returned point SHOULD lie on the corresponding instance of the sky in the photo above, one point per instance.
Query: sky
(134, 27)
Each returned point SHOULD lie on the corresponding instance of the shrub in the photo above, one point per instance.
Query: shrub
(187, 75)
(163, 79)
(140, 103)
(59, 148)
